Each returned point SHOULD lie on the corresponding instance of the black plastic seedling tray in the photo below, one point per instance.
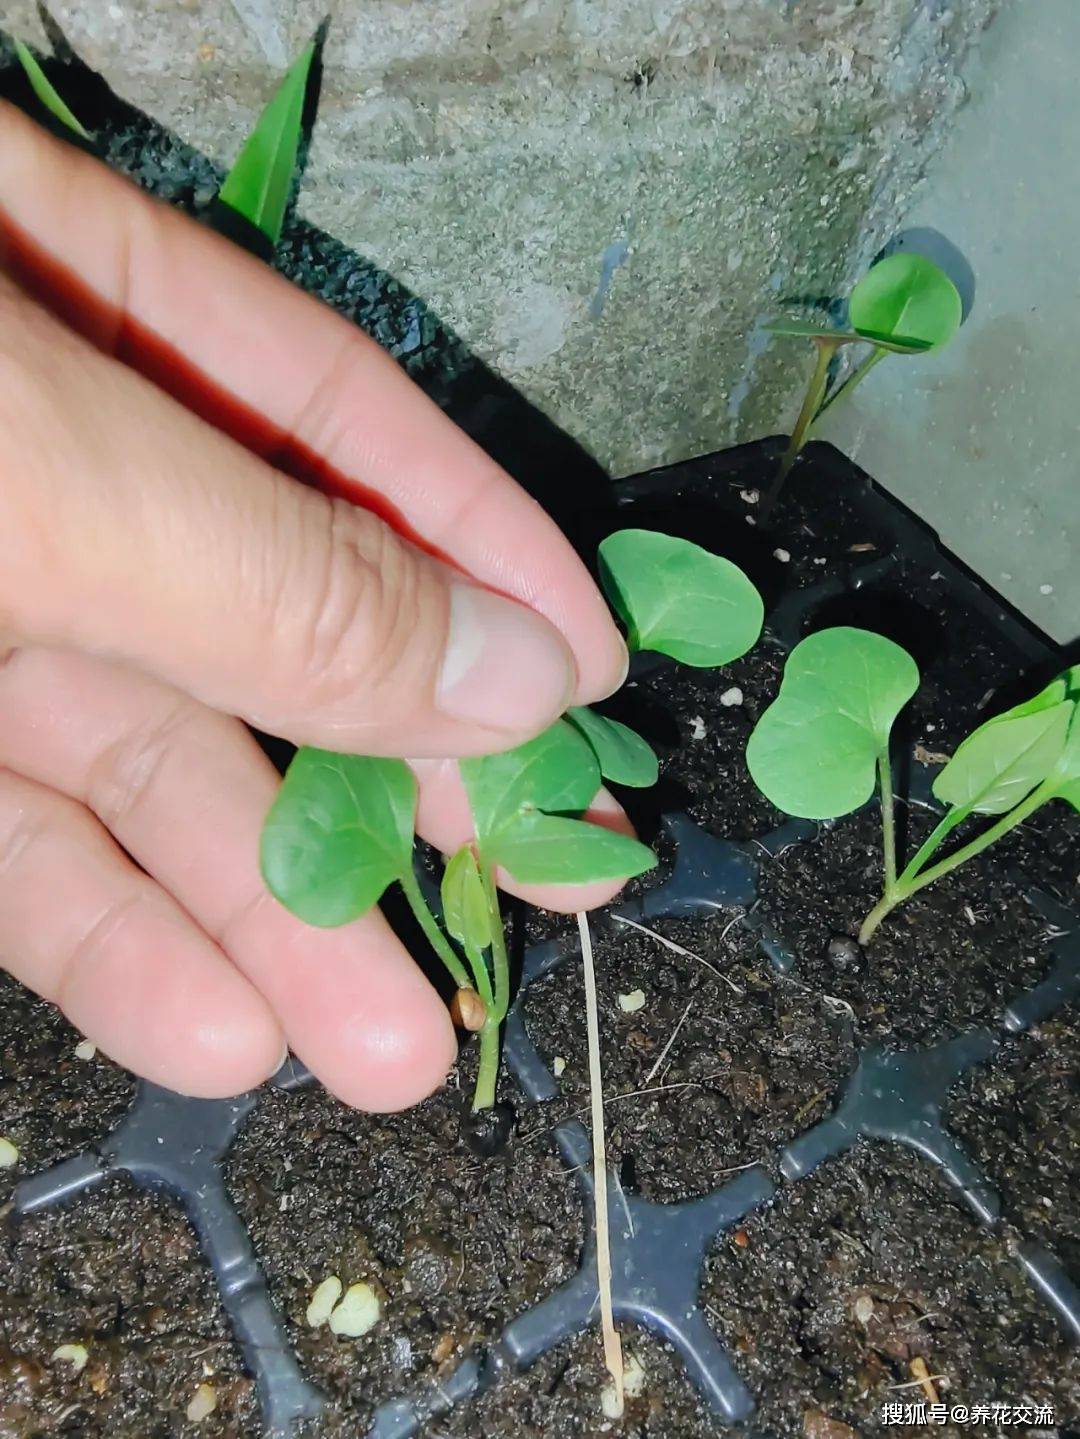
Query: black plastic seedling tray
(178, 1145)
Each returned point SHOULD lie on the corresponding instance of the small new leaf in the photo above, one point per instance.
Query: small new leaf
(814, 751)
(906, 301)
(465, 910)
(1003, 760)
(546, 849)
(678, 599)
(46, 91)
(259, 184)
(556, 772)
(624, 757)
(339, 832)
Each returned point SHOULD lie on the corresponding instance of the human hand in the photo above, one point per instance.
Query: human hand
(158, 578)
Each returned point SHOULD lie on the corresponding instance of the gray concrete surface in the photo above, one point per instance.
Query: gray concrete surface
(605, 197)
(984, 439)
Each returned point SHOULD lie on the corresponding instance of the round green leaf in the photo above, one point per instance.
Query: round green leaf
(814, 751)
(679, 599)
(339, 832)
(465, 909)
(546, 849)
(624, 757)
(556, 772)
(906, 299)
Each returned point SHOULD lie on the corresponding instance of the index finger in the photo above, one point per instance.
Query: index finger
(156, 280)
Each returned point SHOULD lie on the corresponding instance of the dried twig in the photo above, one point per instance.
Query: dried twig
(679, 948)
(667, 1047)
(612, 1343)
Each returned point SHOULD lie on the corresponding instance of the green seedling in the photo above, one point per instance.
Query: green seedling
(341, 830)
(46, 91)
(260, 183)
(903, 305)
(819, 749)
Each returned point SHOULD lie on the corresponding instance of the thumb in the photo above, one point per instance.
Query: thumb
(131, 529)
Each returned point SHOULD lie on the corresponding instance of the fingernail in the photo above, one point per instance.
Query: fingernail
(505, 667)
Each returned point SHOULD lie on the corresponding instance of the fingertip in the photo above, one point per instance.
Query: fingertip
(197, 1027)
(228, 1055)
(608, 674)
(389, 1059)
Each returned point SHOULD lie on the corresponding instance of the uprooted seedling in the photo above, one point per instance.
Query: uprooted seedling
(903, 305)
(823, 744)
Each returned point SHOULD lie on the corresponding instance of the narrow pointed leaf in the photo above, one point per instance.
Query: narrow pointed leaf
(624, 757)
(259, 184)
(814, 751)
(46, 91)
(465, 910)
(679, 599)
(1066, 775)
(339, 832)
(906, 298)
(810, 331)
(1004, 759)
(545, 849)
(557, 772)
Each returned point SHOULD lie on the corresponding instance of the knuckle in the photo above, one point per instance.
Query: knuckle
(123, 776)
(22, 826)
(362, 616)
(98, 938)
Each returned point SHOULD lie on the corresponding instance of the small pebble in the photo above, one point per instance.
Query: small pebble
(864, 1309)
(558, 1065)
(632, 1002)
(74, 1354)
(326, 1295)
(203, 1403)
(358, 1312)
(783, 556)
(697, 728)
(9, 1154)
(85, 1050)
(845, 952)
(1046, 589)
(733, 696)
(750, 497)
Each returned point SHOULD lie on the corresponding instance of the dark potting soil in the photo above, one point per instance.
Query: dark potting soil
(824, 1298)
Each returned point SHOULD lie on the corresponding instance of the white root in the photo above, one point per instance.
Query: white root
(612, 1343)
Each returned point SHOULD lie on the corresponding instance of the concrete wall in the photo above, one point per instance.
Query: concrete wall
(984, 439)
(604, 197)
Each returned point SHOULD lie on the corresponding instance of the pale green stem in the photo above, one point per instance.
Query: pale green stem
(933, 841)
(902, 891)
(487, 1074)
(478, 965)
(815, 392)
(500, 961)
(435, 937)
(856, 377)
(888, 819)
